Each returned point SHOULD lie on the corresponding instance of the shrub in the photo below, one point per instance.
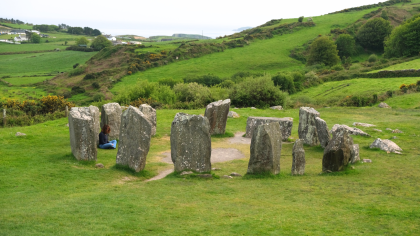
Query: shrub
(227, 84)
(337, 67)
(375, 98)
(146, 90)
(95, 85)
(98, 97)
(373, 58)
(169, 82)
(311, 77)
(192, 92)
(208, 80)
(418, 83)
(77, 71)
(345, 45)
(101, 42)
(389, 93)
(403, 40)
(75, 65)
(82, 41)
(372, 34)
(285, 82)
(301, 19)
(323, 51)
(77, 90)
(384, 15)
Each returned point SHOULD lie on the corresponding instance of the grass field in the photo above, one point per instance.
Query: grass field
(414, 64)
(44, 190)
(20, 93)
(27, 80)
(408, 101)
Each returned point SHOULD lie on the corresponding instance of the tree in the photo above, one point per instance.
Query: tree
(87, 30)
(403, 40)
(96, 32)
(82, 41)
(285, 82)
(301, 19)
(100, 42)
(384, 15)
(345, 45)
(35, 38)
(323, 51)
(372, 34)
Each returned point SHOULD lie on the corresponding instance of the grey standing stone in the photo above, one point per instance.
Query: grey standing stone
(286, 125)
(150, 113)
(299, 162)
(217, 114)
(84, 132)
(135, 135)
(323, 133)
(307, 126)
(111, 115)
(191, 143)
(338, 153)
(355, 154)
(265, 149)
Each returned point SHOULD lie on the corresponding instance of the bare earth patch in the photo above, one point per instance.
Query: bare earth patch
(238, 139)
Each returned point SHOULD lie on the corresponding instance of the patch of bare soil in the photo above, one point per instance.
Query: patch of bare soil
(217, 155)
(238, 139)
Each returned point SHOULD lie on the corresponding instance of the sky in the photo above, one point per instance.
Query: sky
(163, 17)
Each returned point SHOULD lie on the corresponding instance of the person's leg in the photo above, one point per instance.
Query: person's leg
(106, 146)
(114, 142)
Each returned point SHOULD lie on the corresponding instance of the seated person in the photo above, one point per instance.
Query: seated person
(103, 139)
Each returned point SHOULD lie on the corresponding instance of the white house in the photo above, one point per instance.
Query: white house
(20, 38)
(18, 32)
(35, 31)
(135, 42)
(111, 38)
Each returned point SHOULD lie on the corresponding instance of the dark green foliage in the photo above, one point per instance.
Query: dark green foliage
(372, 34)
(227, 83)
(100, 42)
(75, 65)
(169, 82)
(98, 97)
(80, 49)
(77, 90)
(373, 58)
(298, 80)
(404, 40)
(82, 41)
(240, 76)
(345, 45)
(35, 38)
(323, 51)
(96, 85)
(75, 30)
(45, 28)
(384, 15)
(208, 80)
(301, 19)
(380, 4)
(391, 74)
(285, 82)
(375, 98)
(389, 93)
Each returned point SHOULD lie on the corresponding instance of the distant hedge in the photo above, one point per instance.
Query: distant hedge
(82, 49)
(391, 74)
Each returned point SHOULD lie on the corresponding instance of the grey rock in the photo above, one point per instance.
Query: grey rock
(323, 133)
(235, 174)
(191, 143)
(186, 173)
(397, 131)
(150, 114)
(84, 132)
(253, 108)
(265, 149)
(377, 130)
(99, 165)
(307, 126)
(338, 153)
(363, 124)
(286, 125)
(20, 134)
(111, 115)
(135, 135)
(386, 145)
(395, 137)
(227, 177)
(233, 114)
(298, 165)
(205, 176)
(355, 157)
(350, 130)
(367, 161)
(277, 108)
(217, 114)
(383, 105)
(389, 129)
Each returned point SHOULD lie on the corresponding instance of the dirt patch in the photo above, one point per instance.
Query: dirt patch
(238, 139)
(217, 155)
(161, 175)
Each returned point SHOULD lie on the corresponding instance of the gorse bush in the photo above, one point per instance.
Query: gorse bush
(47, 104)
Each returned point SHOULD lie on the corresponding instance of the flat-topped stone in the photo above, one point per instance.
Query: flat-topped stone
(286, 125)
(217, 114)
(150, 114)
(307, 126)
(350, 130)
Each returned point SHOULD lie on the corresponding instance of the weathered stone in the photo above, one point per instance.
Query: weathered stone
(389, 129)
(227, 177)
(367, 160)
(383, 105)
(338, 153)
(307, 126)
(350, 130)
(150, 114)
(363, 124)
(386, 145)
(395, 137)
(355, 157)
(99, 165)
(286, 125)
(397, 131)
(191, 143)
(298, 165)
(265, 149)
(84, 132)
(233, 114)
(323, 133)
(277, 108)
(235, 174)
(135, 135)
(205, 176)
(217, 114)
(186, 173)
(20, 134)
(377, 130)
(111, 115)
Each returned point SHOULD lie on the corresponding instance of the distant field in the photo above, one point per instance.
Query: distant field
(27, 80)
(415, 64)
(409, 101)
(6, 47)
(16, 26)
(20, 93)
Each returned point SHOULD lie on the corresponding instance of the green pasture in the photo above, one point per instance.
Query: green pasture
(414, 64)
(44, 190)
(29, 47)
(27, 80)
(20, 93)
(16, 26)
(408, 101)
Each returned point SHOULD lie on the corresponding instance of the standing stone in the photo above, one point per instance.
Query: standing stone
(355, 154)
(111, 115)
(323, 133)
(307, 126)
(191, 143)
(338, 153)
(84, 132)
(135, 135)
(217, 114)
(265, 149)
(150, 113)
(298, 165)
(286, 125)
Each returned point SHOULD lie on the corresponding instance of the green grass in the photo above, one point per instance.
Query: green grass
(414, 64)
(20, 93)
(27, 80)
(16, 26)
(408, 101)
(44, 190)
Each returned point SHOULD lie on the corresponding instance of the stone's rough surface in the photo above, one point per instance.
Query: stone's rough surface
(386, 145)
(377, 130)
(111, 115)
(298, 165)
(135, 135)
(307, 126)
(350, 130)
(217, 114)
(265, 149)
(235, 174)
(363, 124)
(323, 134)
(191, 143)
(355, 157)
(367, 160)
(233, 114)
(383, 105)
(150, 114)
(397, 131)
(20, 134)
(84, 132)
(338, 153)
(389, 129)
(277, 108)
(99, 165)
(286, 125)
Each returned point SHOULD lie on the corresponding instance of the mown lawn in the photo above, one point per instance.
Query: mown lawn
(44, 190)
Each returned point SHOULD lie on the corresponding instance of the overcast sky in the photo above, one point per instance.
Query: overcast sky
(164, 17)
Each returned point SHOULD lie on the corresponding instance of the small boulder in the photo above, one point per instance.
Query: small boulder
(298, 165)
(397, 131)
(216, 169)
(307, 126)
(286, 125)
(253, 108)
(386, 145)
(235, 174)
(99, 165)
(226, 177)
(233, 114)
(383, 105)
(20, 134)
(377, 130)
(363, 124)
(350, 130)
(338, 153)
(367, 161)
(150, 114)
(279, 108)
(322, 130)
(395, 137)
(217, 114)
(111, 115)
(389, 129)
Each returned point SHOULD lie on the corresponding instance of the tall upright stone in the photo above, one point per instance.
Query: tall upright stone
(135, 135)
(111, 115)
(307, 126)
(338, 153)
(355, 157)
(265, 149)
(217, 114)
(191, 143)
(286, 125)
(84, 132)
(323, 133)
(150, 113)
(299, 162)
